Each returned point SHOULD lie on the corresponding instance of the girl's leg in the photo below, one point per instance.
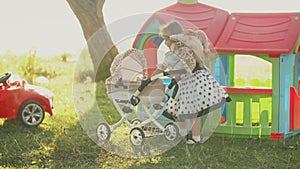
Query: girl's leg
(195, 131)
(196, 127)
(183, 128)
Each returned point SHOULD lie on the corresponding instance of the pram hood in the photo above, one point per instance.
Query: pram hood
(128, 66)
(128, 69)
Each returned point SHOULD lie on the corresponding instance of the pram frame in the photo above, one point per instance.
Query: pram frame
(170, 130)
(137, 126)
(138, 129)
(117, 87)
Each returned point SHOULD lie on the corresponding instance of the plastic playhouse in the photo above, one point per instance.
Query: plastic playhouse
(274, 37)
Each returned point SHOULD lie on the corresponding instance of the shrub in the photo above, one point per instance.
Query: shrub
(28, 67)
(84, 69)
(31, 66)
(64, 57)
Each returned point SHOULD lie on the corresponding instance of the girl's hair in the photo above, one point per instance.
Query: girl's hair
(201, 35)
(172, 28)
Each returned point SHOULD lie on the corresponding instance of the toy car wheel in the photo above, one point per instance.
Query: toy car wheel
(31, 113)
(137, 136)
(103, 132)
(171, 132)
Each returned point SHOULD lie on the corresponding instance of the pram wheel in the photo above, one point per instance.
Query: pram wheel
(136, 122)
(103, 132)
(137, 136)
(171, 132)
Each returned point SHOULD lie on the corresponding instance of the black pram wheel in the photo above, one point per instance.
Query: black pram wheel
(103, 132)
(137, 136)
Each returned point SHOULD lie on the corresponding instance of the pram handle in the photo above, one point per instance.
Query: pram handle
(175, 72)
(134, 100)
(146, 82)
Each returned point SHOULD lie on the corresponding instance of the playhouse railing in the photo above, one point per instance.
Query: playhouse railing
(249, 114)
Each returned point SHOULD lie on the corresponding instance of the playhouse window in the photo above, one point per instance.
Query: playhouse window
(251, 92)
(252, 71)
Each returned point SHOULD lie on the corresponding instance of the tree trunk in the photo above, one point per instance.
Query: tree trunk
(101, 47)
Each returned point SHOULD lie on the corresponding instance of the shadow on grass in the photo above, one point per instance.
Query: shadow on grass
(64, 144)
(227, 152)
(58, 144)
(74, 149)
(20, 145)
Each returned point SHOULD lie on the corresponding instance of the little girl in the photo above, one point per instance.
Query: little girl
(199, 93)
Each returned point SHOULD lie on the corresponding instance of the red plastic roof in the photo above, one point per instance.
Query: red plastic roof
(209, 19)
(241, 33)
(260, 33)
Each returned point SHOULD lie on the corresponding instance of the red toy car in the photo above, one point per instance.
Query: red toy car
(24, 101)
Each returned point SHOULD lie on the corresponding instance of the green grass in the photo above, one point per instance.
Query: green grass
(61, 142)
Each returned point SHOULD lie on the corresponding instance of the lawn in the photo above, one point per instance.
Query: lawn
(61, 142)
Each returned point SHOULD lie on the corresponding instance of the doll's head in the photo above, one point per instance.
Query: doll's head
(172, 28)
